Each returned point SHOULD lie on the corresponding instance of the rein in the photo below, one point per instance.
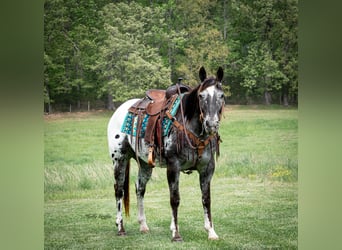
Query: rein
(183, 119)
(200, 144)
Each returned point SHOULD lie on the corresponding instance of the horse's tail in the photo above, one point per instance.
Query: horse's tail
(126, 189)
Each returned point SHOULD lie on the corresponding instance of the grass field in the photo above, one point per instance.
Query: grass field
(254, 188)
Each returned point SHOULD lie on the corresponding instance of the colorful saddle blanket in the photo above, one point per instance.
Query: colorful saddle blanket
(129, 126)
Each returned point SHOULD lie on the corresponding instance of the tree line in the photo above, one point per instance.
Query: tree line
(110, 51)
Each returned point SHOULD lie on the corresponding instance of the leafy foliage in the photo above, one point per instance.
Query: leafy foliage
(128, 61)
(100, 49)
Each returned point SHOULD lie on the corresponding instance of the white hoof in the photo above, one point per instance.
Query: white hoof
(144, 229)
(212, 235)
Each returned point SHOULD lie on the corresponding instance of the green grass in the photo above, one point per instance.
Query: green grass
(260, 142)
(254, 188)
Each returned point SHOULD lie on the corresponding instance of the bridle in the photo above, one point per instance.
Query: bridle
(199, 144)
(200, 108)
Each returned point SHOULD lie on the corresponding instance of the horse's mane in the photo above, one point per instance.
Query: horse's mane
(191, 104)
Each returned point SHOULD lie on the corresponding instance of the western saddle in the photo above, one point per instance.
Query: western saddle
(155, 104)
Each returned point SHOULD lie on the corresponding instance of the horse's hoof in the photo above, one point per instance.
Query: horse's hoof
(144, 230)
(213, 238)
(212, 235)
(177, 239)
(121, 233)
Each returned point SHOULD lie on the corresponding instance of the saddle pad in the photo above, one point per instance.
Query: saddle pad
(131, 121)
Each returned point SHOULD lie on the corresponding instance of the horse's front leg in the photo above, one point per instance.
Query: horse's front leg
(205, 178)
(173, 181)
(145, 173)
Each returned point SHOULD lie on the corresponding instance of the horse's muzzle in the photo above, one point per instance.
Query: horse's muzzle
(211, 127)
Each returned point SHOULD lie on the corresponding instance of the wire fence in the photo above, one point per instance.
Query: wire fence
(75, 107)
(50, 108)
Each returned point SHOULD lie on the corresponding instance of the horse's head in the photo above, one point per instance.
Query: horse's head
(210, 100)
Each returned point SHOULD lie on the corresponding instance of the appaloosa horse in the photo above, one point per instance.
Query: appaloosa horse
(190, 144)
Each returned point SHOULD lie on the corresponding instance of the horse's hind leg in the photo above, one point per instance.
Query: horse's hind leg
(121, 168)
(121, 157)
(144, 176)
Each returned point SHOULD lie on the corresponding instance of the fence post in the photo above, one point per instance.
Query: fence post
(70, 108)
(88, 105)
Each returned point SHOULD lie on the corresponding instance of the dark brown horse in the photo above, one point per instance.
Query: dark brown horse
(190, 145)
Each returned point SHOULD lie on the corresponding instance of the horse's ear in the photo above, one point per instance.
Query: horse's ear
(202, 74)
(219, 74)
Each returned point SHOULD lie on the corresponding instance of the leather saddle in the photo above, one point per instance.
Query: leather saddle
(155, 103)
(151, 104)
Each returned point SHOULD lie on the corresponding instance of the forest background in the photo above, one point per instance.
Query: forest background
(98, 53)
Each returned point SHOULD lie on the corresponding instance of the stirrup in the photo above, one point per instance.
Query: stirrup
(150, 159)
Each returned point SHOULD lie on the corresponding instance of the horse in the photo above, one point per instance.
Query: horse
(191, 144)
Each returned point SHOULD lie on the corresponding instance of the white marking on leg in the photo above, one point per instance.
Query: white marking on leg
(141, 216)
(173, 226)
(119, 215)
(209, 227)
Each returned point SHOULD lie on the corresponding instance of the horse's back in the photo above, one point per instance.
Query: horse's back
(114, 133)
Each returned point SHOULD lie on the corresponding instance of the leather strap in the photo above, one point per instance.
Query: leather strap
(199, 144)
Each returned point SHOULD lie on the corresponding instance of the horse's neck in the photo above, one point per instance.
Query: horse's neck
(194, 124)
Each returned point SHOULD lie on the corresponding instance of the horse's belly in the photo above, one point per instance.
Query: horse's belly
(142, 150)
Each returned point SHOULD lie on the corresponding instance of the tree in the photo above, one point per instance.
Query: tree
(266, 51)
(205, 44)
(128, 61)
(285, 36)
(56, 49)
(117, 49)
(71, 29)
(261, 72)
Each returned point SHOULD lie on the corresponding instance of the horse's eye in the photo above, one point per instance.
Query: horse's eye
(201, 96)
(221, 96)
